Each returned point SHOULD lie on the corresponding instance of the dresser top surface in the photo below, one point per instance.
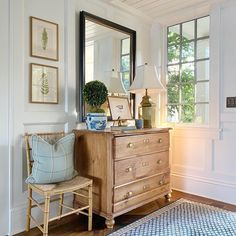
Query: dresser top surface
(126, 132)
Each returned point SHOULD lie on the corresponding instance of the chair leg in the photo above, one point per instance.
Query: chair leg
(46, 216)
(29, 209)
(60, 204)
(90, 210)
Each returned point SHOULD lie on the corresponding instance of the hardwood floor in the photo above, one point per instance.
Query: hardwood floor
(77, 225)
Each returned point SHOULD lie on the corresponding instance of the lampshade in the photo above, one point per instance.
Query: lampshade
(115, 84)
(146, 78)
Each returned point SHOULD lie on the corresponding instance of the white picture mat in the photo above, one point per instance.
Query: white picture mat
(119, 107)
(51, 49)
(51, 75)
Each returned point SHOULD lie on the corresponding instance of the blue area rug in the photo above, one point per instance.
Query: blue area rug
(183, 218)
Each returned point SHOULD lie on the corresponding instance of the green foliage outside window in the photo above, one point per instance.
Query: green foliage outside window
(125, 62)
(180, 87)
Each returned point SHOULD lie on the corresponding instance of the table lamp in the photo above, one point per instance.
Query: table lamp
(115, 83)
(146, 78)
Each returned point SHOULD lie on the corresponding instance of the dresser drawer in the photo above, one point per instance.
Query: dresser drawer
(140, 144)
(136, 168)
(142, 186)
(141, 199)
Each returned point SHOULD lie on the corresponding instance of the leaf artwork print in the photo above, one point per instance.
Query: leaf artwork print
(44, 84)
(44, 39)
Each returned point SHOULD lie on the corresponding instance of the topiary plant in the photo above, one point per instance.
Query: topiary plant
(95, 94)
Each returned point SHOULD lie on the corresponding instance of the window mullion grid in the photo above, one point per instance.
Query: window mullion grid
(187, 62)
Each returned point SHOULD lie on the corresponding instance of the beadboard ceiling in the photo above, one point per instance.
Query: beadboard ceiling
(96, 31)
(161, 9)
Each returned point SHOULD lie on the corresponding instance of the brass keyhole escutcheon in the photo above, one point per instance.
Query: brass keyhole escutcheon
(145, 187)
(146, 140)
(145, 163)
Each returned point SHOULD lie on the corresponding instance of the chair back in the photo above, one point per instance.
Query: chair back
(48, 137)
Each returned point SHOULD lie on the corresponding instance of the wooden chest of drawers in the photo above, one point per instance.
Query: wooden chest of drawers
(129, 169)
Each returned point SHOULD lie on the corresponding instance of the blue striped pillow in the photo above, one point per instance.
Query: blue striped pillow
(52, 162)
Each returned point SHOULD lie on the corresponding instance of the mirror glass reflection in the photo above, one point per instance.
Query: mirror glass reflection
(107, 57)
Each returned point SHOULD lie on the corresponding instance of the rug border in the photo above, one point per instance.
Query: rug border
(158, 212)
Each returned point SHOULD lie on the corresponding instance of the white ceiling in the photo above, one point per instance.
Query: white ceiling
(162, 9)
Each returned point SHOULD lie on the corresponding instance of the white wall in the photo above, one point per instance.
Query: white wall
(203, 158)
(28, 117)
(4, 120)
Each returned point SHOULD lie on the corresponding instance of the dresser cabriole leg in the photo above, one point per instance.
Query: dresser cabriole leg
(168, 196)
(110, 223)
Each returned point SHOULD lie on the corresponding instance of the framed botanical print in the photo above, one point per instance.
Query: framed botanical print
(43, 84)
(44, 39)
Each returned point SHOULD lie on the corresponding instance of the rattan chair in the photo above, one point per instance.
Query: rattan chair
(59, 189)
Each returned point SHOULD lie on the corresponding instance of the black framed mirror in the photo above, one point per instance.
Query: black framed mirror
(105, 47)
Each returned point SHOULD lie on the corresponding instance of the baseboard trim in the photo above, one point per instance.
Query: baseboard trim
(204, 187)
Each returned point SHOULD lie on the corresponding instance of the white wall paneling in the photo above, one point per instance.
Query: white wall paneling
(29, 117)
(4, 124)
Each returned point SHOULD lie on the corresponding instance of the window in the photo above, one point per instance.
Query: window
(125, 62)
(89, 61)
(188, 72)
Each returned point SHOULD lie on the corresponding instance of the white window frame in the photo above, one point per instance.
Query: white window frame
(215, 75)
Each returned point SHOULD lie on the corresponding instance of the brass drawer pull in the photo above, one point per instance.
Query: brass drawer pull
(159, 162)
(160, 140)
(130, 145)
(129, 194)
(145, 187)
(161, 182)
(129, 169)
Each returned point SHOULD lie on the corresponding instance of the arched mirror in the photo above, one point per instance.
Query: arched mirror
(107, 54)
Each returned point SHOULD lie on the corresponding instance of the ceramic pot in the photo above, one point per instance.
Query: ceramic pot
(96, 121)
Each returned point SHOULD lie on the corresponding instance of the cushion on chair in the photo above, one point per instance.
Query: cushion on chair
(52, 162)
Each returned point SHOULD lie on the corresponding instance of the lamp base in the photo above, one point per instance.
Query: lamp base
(147, 111)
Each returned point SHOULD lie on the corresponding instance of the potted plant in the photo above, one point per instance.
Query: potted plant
(95, 94)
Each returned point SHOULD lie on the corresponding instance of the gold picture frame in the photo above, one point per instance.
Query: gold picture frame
(44, 84)
(119, 108)
(44, 40)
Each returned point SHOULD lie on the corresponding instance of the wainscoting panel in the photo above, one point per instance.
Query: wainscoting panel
(224, 161)
(205, 166)
(184, 159)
